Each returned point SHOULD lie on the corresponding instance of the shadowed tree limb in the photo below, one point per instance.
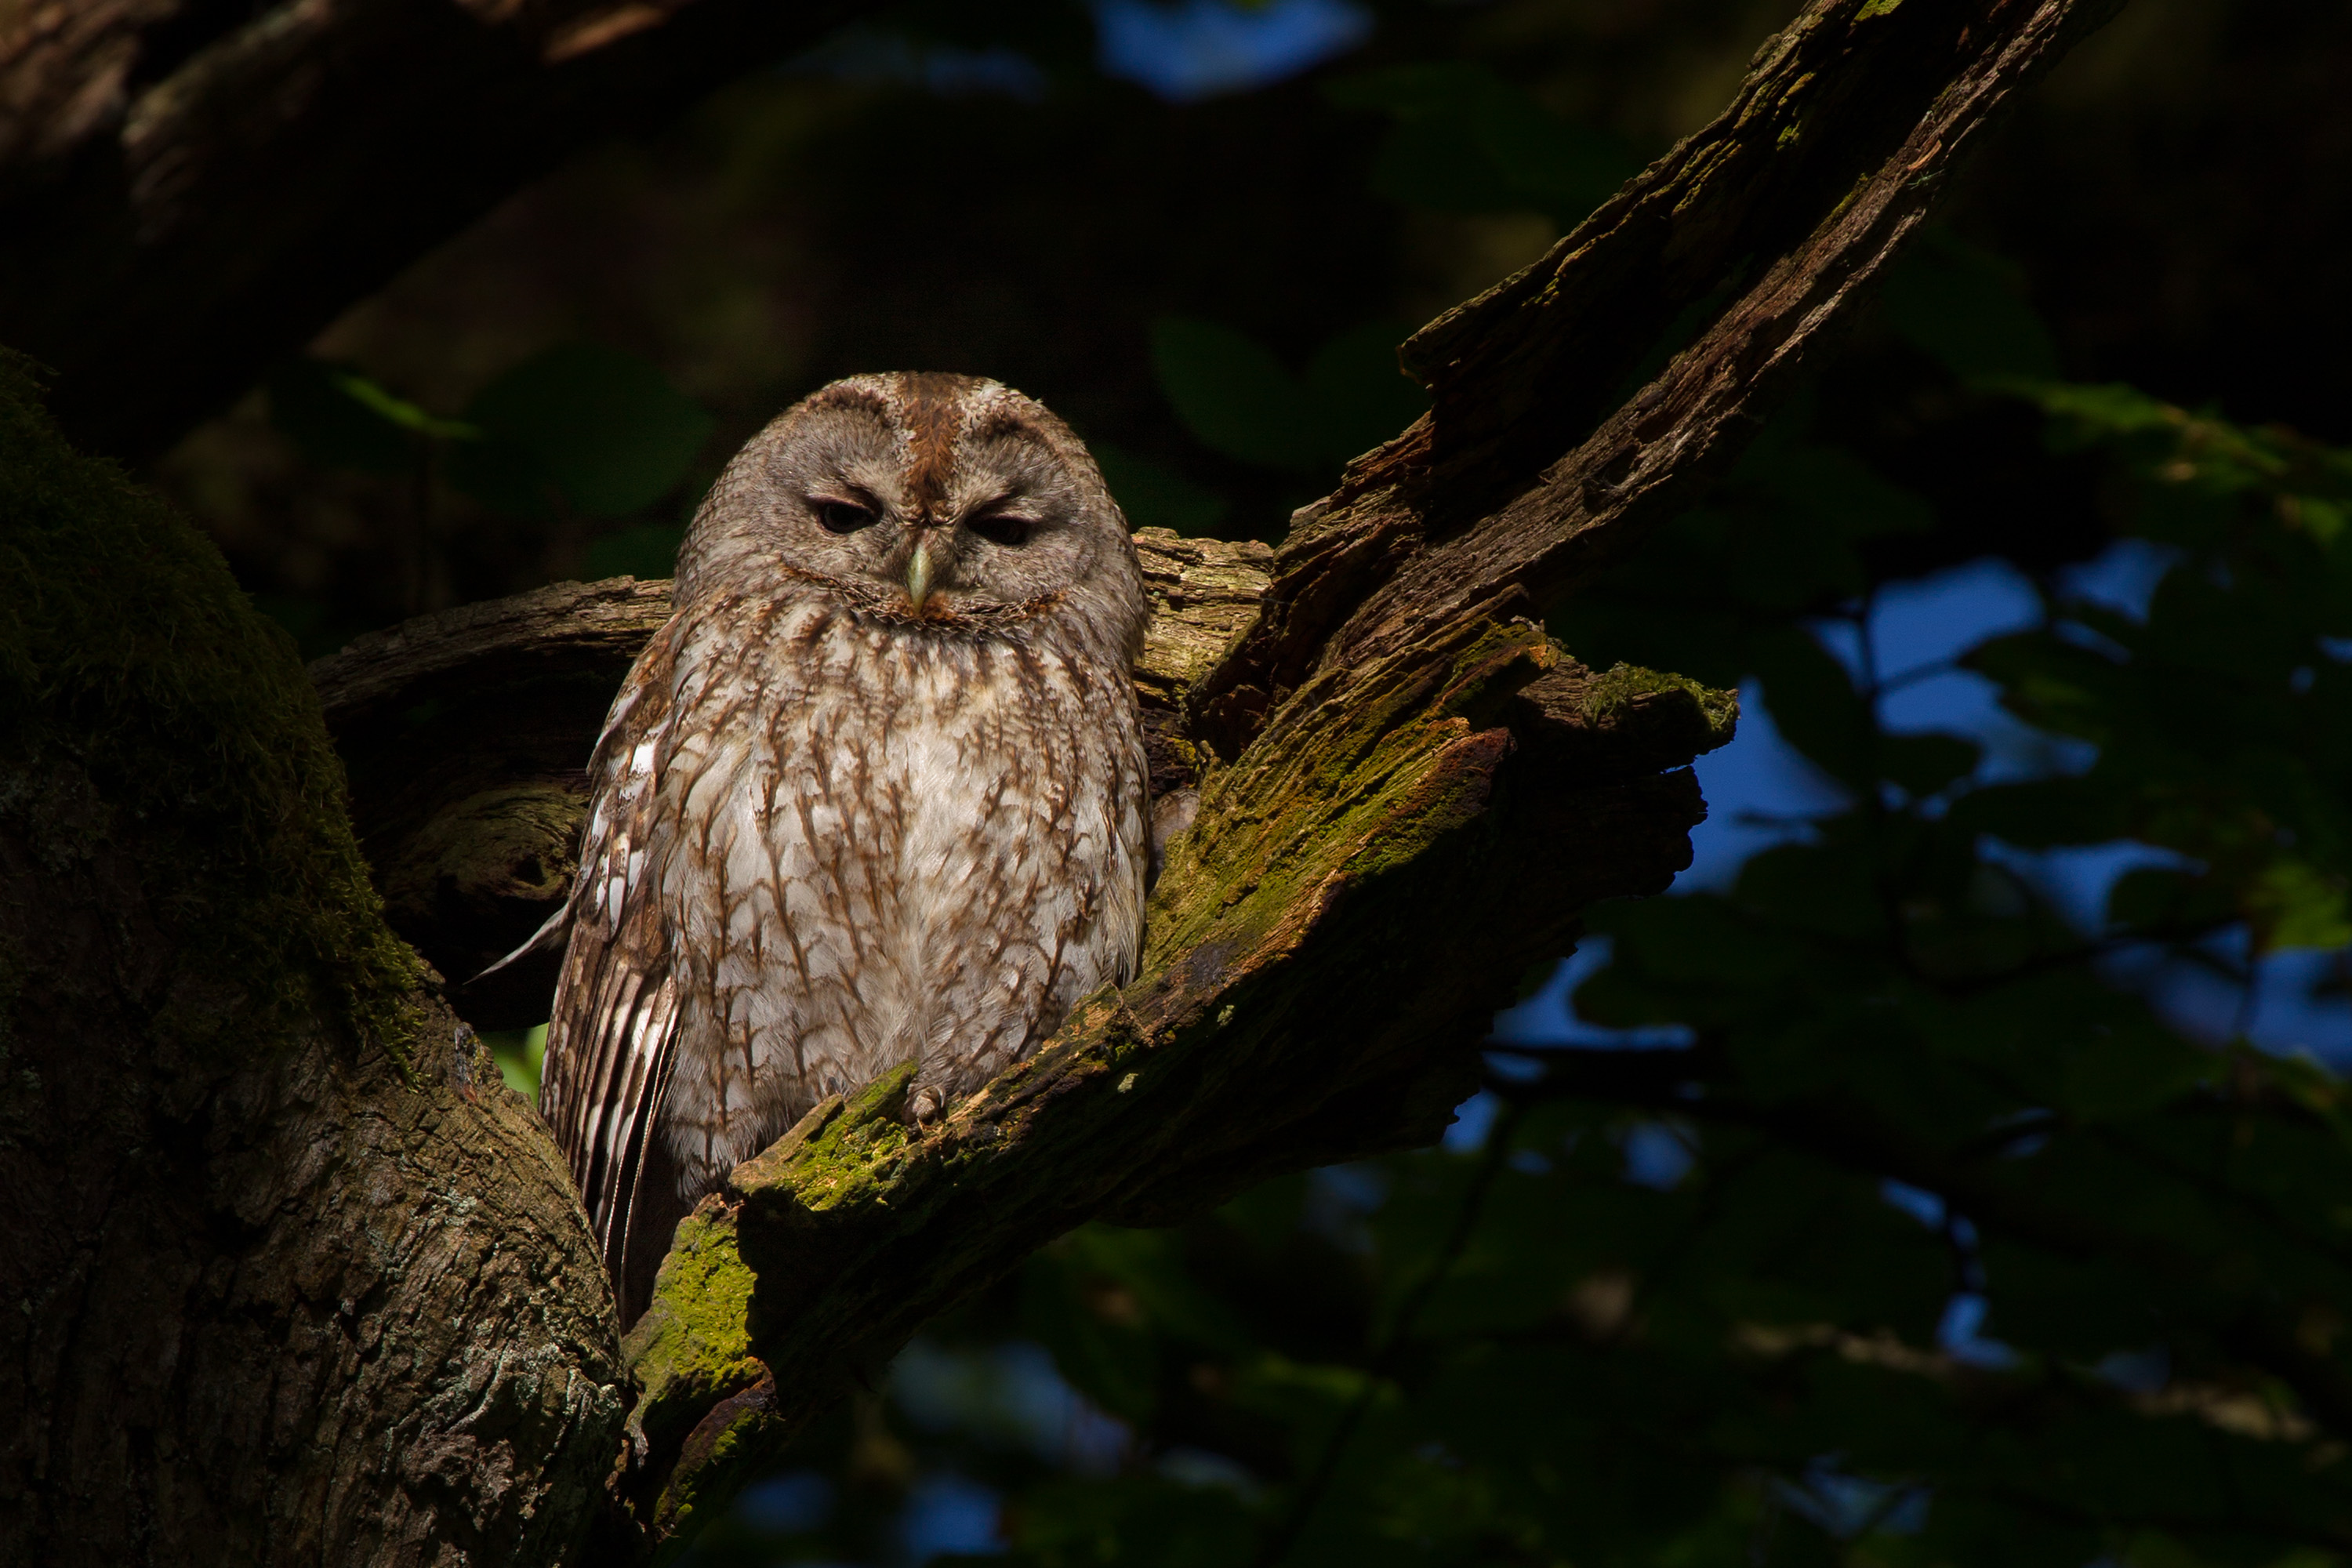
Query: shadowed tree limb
(190, 189)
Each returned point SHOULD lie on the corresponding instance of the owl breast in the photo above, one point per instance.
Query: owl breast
(896, 844)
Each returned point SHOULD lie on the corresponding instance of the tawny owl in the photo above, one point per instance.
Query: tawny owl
(875, 793)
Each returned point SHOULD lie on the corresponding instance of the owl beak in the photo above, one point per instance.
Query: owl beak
(919, 575)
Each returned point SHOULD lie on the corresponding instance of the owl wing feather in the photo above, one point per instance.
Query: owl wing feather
(612, 1038)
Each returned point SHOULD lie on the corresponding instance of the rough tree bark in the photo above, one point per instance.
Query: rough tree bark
(190, 189)
(288, 1275)
(1406, 794)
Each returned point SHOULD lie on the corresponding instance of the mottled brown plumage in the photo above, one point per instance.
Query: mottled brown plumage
(875, 793)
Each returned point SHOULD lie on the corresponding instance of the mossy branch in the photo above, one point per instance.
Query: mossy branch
(1396, 757)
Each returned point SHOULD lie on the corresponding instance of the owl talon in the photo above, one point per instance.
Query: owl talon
(925, 1105)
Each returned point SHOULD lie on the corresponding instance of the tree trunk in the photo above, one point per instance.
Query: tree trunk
(191, 189)
(300, 1282)
(290, 1275)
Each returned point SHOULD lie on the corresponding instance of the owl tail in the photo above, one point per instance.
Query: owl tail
(548, 938)
(642, 1238)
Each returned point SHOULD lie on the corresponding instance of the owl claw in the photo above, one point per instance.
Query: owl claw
(925, 1105)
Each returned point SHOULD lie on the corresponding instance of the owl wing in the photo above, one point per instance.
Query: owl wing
(612, 1038)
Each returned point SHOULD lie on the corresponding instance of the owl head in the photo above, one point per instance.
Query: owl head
(945, 502)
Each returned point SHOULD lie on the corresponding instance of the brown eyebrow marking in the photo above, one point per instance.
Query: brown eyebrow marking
(841, 396)
(1005, 420)
(933, 407)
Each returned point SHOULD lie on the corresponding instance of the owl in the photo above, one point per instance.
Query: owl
(875, 794)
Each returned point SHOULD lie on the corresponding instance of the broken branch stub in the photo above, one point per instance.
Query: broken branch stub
(1789, 204)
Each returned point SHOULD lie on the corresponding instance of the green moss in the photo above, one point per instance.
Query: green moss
(696, 1334)
(1358, 790)
(856, 1149)
(128, 651)
(1611, 694)
(689, 1352)
(846, 1149)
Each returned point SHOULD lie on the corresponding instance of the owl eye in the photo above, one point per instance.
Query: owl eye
(1010, 531)
(841, 516)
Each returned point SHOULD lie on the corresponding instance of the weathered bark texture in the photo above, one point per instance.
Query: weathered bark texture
(289, 1275)
(190, 189)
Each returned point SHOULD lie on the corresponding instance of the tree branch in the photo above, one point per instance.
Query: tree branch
(1847, 128)
(189, 190)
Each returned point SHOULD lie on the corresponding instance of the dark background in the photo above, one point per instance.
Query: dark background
(997, 199)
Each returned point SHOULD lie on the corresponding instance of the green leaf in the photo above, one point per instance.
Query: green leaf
(1138, 1521)
(1415, 91)
(1360, 397)
(2296, 905)
(1821, 888)
(1815, 705)
(1231, 392)
(603, 425)
(1924, 765)
(2042, 814)
(1687, 946)
(1465, 141)
(1439, 164)
(1154, 496)
(1968, 309)
(1568, 168)
(341, 420)
(1094, 1327)
(2162, 896)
